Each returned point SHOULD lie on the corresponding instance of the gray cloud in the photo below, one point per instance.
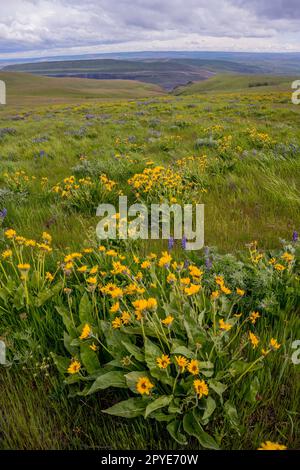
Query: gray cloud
(53, 26)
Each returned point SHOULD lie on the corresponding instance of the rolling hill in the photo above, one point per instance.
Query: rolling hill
(28, 89)
(237, 82)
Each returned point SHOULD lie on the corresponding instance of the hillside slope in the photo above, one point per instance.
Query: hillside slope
(27, 89)
(237, 82)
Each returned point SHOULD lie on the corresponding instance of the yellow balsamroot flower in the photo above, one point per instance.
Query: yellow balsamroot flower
(47, 237)
(268, 445)
(163, 361)
(165, 259)
(140, 304)
(253, 317)
(145, 264)
(101, 248)
(272, 260)
(115, 307)
(144, 386)
(24, 267)
(192, 289)
(10, 233)
(182, 362)
(72, 256)
(253, 339)
(168, 320)
(185, 281)
(136, 259)
(193, 367)
(240, 292)
(117, 323)
(225, 289)
(224, 325)
(279, 267)
(30, 243)
(112, 253)
(139, 276)
(126, 318)
(215, 294)
(20, 240)
(219, 280)
(288, 257)
(92, 280)
(116, 293)
(44, 247)
(94, 270)
(171, 278)
(82, 269)
(7, 254)
(49, 277)
(74, 367)
(87, 250)
(68, 266)
(151, 304)
(86, 332)
(195, 272)
(274, 344)
(201, 388)
(93, 347)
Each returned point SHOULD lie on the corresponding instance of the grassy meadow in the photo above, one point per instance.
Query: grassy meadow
(198, 342)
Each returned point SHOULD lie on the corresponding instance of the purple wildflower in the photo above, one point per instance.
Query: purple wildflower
(3, 213)
(171, 243)
(183, 242)
(295, 236)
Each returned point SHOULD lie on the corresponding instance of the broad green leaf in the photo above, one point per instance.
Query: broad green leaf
(134, 351)
(65, 314)
(210, 408)
(160, 402)
(62, 363)
(152, 352)
(89, 358)
(232, 415)
(160, 416)
(110, 379)
(193, 428)
(206, 365)
(218, 387)
(174, 430)
(130, 408)
(68, 344)
(19, 297)
(85, 309)
(182, 350)
(253, 390)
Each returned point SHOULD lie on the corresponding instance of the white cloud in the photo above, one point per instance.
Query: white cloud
(44, 27)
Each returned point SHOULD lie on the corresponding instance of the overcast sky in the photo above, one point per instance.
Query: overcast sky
(30, 28)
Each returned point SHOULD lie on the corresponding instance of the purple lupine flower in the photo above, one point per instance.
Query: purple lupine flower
(183, 242)
(208, 263)
(186, 263)
(171, 243)
(295, 236)
(3, 213)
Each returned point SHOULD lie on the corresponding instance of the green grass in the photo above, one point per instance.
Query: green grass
(252, 193)
(262, 83)
(24, 89)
